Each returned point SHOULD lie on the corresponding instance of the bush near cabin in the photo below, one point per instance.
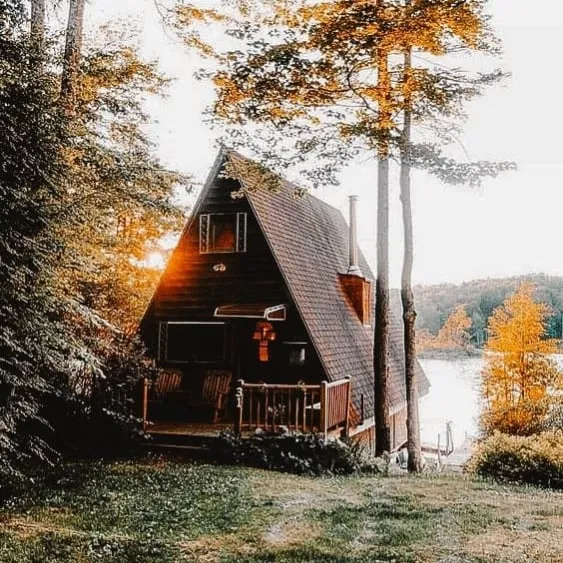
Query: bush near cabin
(294, 452)
(522, 390)
(533, 460)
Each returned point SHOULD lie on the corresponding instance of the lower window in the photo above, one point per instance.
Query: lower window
(188, 342)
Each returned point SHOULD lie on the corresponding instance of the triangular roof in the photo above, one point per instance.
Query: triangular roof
(309, 241)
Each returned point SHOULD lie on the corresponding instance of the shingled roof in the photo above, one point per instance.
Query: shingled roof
(309, 241)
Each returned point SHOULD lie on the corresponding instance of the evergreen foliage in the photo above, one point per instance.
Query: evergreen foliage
(84, 201)
(307, 454)
(33, 341)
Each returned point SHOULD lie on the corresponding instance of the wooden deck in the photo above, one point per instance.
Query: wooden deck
(323, 409)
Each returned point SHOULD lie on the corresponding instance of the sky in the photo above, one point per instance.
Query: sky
(509, 226)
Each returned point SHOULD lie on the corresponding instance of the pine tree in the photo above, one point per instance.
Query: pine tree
(33, 344)
(72, 284)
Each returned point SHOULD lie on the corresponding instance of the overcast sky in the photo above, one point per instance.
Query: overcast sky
(510, 226)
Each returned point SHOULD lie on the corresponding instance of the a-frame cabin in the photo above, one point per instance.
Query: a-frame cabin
(263, 317)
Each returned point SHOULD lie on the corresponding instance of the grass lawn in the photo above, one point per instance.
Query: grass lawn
(164, 511)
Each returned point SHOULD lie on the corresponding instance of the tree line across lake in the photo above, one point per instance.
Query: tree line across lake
(479, 298)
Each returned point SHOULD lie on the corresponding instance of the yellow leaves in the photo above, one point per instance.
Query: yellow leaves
(312, 62)
(188, 14)
(520, 379)
(519, 325)
(454, 334)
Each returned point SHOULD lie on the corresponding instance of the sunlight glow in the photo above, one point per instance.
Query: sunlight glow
(155, 260)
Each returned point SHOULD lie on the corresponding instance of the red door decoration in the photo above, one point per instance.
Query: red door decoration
(264, 333)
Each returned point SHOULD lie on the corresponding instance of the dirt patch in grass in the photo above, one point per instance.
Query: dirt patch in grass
(501, 545)
(295, 493)
(296, 531)
(212, 549)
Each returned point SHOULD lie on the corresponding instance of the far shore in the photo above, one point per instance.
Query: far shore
(449, 354)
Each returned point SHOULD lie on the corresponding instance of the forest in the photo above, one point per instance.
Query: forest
(85, 201)
(435, 303)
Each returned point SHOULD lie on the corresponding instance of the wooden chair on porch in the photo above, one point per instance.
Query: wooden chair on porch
(167, 383)
(214, 393)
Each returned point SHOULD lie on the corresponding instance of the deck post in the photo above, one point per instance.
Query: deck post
(239, 397)
(324, 408)
(348, 405)
(145, 406)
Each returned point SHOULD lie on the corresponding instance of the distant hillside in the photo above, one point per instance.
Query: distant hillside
(481, 297)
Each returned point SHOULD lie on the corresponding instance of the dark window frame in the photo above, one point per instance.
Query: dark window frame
(162, 352)
(205, 227)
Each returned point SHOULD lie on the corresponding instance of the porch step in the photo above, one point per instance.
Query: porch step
(192, 452)
(191, 440)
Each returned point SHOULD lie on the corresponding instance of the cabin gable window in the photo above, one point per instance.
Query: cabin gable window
(192, 342)
(222, 233)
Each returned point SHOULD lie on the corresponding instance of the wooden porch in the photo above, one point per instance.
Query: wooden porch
(321, 409)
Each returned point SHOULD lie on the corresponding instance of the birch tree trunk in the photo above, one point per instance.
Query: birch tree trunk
(73, 50)
(407, 295)
(37, 28)
(381, 336)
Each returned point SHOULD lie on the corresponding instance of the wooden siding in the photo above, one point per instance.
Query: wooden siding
(191, 289)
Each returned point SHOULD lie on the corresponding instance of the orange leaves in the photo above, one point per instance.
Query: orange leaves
(520, 379)
(518, 326)
(331, 68)
(455, 332)
(188, 14)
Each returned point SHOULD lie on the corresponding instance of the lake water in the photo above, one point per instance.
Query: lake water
(454, 396)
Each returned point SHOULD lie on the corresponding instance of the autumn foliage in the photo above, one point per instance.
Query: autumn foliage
(521, 382)
(454, 335)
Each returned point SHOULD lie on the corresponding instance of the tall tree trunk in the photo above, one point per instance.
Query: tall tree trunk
(37, 28)
(407, 295)
(73, 51)
(381, 336)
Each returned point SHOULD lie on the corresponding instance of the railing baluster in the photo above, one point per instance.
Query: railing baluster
(276, 409)
(294, 406)
(251, 404)
(266, 407)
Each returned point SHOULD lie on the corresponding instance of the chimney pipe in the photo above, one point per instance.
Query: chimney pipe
(354, 268)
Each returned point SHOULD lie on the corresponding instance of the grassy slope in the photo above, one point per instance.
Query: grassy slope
(157, 512)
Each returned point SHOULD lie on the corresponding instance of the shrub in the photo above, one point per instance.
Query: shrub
(96, 411)
(294, 452)
(534, 460)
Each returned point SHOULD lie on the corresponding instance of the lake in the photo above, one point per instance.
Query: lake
(454, 396)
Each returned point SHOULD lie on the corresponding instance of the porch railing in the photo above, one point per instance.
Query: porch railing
(306, 408)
